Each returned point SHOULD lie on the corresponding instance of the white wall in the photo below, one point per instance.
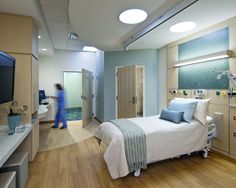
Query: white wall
(162, 78)
(51, 68)
(73, 88)
(100, 85)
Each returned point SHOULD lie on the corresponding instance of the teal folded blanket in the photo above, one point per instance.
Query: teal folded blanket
(135, 144)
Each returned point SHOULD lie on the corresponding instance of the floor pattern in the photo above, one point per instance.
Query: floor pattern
(55, 138)
(74, 114)
(82, 165)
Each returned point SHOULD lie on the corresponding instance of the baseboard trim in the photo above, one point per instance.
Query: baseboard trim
(45, 122)
(98, 119)
(224, 155)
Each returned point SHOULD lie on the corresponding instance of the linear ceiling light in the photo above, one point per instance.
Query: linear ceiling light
(133, 16)
(90, 49)
(205, 58)
(160, 20)
(182, 27)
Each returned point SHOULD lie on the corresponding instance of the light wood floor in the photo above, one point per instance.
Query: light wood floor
(56, 138)
(82, 165)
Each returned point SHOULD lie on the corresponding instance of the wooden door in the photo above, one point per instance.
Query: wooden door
(87, 99)
(129, 91)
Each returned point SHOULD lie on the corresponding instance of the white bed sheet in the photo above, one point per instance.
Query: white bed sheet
(164, 140)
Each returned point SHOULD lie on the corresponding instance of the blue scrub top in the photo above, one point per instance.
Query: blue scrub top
(61, 99)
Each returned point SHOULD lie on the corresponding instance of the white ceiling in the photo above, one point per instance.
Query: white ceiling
(97, 21)
(97, 24)
(205, 13)
(56, 15)
(30, 8)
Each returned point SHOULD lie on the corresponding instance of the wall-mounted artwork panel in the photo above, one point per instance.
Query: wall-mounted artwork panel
(202, 75)
(214, 42)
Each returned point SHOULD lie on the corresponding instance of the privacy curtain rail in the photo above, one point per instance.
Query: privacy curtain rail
(166, 16)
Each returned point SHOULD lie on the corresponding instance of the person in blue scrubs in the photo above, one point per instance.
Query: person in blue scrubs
(61, 114)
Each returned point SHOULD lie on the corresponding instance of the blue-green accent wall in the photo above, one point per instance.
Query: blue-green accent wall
(148, 58)
(214, 42)
(202, 75)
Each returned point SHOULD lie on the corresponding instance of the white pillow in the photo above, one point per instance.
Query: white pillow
(201, 110)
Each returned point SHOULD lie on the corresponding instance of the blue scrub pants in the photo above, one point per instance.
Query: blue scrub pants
(60, 117)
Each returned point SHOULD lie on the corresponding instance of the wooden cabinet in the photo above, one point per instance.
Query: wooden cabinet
(19, 38)
(18, 34)
(35, 139)
(26, 82)
(233, 131)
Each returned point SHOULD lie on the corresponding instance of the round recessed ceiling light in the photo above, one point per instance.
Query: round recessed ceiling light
(182, 27)
(39, 36)
(133, 16)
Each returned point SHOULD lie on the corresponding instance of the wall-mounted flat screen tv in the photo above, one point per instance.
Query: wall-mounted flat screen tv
(7, 74)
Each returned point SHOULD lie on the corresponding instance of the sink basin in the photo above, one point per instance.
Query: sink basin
(42, 111)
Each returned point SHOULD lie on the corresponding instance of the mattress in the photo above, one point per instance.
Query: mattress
(164, 140)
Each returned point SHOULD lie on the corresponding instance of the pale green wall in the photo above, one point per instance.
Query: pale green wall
(148, 58)
(73, 88)
(100, 85)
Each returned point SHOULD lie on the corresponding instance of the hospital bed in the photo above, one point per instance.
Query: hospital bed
(164, 140)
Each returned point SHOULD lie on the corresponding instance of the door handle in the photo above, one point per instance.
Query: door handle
(134, 100)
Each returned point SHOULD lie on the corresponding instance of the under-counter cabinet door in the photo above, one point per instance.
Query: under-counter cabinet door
(35, 139)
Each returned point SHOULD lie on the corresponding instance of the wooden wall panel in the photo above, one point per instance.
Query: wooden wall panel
(185, 93)
(219, 103)
(17, 33)
(172, 79)
(23, 86)
(221, 99)
(222, 144)
(172, 57)
(233, 131)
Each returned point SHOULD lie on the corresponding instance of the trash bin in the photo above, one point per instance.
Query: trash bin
(8, 180)
(17, 162)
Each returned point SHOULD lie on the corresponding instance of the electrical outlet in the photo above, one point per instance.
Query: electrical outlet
(234, 117)
(234, 134)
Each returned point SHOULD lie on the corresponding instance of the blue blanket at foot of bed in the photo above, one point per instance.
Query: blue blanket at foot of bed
(135, 144)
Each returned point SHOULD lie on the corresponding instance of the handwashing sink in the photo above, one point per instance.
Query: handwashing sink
(42, 111)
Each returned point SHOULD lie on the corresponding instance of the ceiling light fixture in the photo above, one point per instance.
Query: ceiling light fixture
(160, 20)
(205, 58)
(133, 16)
(90, 49)
(39, 37)
(73, 36)
(44, 49)
(182, 27)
